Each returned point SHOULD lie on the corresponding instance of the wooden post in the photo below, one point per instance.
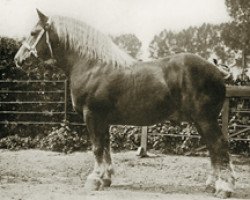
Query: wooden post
(225, 118)
(243, 64)
(142, 150)
(65, 99)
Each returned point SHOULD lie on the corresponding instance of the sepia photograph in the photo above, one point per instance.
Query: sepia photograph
(124, 99)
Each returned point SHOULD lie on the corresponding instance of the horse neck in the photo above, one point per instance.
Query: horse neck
(72, 63)
(65, 58)
(69, 60)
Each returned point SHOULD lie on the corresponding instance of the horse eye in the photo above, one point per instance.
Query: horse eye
(33, 33)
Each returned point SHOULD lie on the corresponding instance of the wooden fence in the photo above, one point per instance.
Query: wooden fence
(231, 92)
(20, 95)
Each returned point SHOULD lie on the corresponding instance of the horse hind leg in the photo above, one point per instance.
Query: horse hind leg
(222, 176)
(99, 135)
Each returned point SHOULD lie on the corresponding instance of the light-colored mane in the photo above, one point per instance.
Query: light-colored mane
(89, 42)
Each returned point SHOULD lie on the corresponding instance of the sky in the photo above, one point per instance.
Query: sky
(144, 18)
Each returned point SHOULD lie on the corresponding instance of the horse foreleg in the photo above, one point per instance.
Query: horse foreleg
(211, 180)
(222, 176)
(108, 163)
(97, 129)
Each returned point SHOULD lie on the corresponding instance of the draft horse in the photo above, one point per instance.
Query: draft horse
(110, 87)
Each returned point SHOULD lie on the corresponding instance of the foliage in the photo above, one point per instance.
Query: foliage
(130, 43)
(15, 142)
(60, 138)
(230, 35)
(65, 140)
(34, 69)
(210, 42)
(125, 137)
(8, 49)
(204, 40)
(240, 26)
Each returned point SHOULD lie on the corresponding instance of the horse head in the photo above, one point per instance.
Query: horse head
(38, 44)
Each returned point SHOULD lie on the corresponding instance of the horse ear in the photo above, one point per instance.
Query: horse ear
(43, 18)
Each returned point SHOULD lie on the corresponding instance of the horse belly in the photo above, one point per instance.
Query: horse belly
(143, 111)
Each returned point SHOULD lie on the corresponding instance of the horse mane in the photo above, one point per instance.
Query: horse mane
(89, 42)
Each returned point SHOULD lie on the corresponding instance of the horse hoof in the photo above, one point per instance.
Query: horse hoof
(224, 189)
(223, 194)
(93, 184)
(106, 182)
(210, 189)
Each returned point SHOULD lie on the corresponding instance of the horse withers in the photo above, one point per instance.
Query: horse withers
(110, 87)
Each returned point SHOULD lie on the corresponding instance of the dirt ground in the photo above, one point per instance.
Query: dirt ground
(44, 175)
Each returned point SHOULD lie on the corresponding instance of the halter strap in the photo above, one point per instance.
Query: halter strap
(32, 48)
(48, 38)
(49, 44)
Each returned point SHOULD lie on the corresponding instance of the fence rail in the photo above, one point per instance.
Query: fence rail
(36, 92)
(61, 91)
(32, 81)
(32, 102)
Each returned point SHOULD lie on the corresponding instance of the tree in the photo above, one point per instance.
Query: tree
(204, 40)
(236, 34)
(129, 42)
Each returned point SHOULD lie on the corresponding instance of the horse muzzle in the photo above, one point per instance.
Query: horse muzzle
(18, 62)
(21, 56)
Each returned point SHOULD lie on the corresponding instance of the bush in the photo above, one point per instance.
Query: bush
(61, 139)
(125, 137)
(15, 142)
(65, 140)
